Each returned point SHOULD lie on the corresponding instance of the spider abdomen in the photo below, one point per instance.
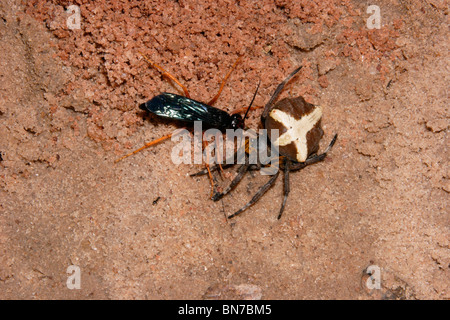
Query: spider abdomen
(299, 126)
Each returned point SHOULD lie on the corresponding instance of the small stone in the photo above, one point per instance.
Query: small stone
(326, 65)
(323, 81)
(437, 125)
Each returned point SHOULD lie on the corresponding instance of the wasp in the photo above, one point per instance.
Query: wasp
(184, 108)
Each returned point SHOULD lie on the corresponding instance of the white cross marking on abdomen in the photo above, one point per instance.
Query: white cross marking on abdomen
(296, 130)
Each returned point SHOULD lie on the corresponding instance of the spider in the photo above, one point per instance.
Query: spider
(299, 125)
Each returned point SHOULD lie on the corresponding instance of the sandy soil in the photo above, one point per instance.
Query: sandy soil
(69, 107)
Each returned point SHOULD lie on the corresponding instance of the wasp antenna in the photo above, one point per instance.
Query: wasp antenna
(253, 99)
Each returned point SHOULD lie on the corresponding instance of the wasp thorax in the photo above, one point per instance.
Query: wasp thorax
(299, 128)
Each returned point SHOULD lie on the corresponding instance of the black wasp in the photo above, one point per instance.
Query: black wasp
(174, 106)
(178, 107)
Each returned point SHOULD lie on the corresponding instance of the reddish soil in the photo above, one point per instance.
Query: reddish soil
(69, 107)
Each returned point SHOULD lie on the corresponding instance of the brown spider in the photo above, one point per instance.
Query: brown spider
(299, 125)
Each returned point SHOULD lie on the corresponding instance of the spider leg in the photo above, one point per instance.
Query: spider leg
(277, 93)
(255, 167)
(287, 163)
(241, 110)
(333, 141)
(211, 178)
(213, 168)
(228, 163)
(314, 158)
(240, 174)
(258, 195)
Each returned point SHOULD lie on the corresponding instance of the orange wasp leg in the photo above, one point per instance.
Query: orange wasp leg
(145, 146)
(222, 85)
(186, 93)
(166, 74)
(224, 81)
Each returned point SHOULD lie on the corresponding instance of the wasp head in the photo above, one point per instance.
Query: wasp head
(237, 122)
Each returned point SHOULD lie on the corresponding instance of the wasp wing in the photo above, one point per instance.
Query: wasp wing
(173, 106)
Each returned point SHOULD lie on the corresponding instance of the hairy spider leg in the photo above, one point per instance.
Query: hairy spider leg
(231, 161)
(288, 166)
(258, 195)
(218, 166)
(246, 109)
(228, 163)
(186, 93)
(286, 169)
(313, 158)
(267, 186)
(277, 93)
(240, 174)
